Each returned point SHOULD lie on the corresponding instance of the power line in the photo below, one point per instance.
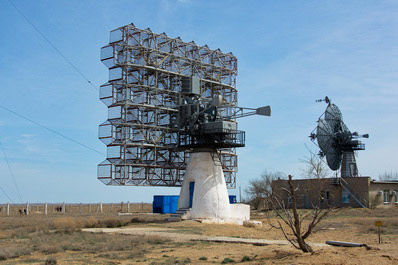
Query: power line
(11, 173)
(52, 45)
(5, 193)
(51, 130)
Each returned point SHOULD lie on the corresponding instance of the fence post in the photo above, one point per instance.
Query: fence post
(128, 206)
(89, 208)
(45, 208)
(8, 209)
(121, 207)
(27, 208)
(111, 208)
(63, 208)
(80, 208)
(100, 207)
(142, 207)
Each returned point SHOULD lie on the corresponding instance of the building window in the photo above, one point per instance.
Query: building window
(386, 196)
(396, 196)
(345, 198)
(289, 201)
(325, 196)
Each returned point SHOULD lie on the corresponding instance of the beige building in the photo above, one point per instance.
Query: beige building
(338, 192)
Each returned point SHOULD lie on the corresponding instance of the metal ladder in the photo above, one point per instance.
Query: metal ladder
(361, 201)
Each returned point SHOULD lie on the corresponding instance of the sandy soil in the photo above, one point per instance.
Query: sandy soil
(350, 225)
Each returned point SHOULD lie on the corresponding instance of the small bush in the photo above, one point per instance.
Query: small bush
(65, 223)
(136, 220)
(7, 253)
(91, 222)
(227, 260)
(4, 254)
(111, 223)
(203, 258)
(51, 261)
(245, 258)
(156, 240)
(50, 249)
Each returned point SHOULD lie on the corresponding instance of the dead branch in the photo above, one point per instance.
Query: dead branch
(294, 221)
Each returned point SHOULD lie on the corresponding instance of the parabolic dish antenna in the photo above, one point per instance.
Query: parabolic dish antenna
(336, 142)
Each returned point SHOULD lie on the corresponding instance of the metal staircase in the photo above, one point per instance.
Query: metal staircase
(344, 184)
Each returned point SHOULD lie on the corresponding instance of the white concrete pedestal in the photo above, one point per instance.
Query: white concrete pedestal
(210, 201)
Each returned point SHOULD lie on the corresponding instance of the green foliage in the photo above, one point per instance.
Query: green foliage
(227, 260)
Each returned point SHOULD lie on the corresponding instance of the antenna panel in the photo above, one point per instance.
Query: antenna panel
(333, 116)
(326, 142)
(148, 72)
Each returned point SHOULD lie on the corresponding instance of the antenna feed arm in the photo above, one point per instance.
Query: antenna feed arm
(241, 112)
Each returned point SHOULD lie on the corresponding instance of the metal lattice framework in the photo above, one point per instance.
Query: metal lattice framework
(143, 92)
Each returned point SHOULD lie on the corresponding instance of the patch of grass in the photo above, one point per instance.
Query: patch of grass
(173, 261)
(245, 258)
(203, 258)
(27, 261)
(55, 242)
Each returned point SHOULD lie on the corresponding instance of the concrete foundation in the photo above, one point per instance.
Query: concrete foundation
(208, 197)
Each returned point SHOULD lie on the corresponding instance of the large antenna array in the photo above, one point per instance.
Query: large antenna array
(165, 97)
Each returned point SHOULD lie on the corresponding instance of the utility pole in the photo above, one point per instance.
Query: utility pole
(240, 195)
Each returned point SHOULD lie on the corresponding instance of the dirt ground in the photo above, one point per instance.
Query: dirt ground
(148, 239)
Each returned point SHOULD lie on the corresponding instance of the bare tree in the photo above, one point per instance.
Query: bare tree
(389, 176)
(375, 201)
(314, 167)
(295, 221)
(260, 189)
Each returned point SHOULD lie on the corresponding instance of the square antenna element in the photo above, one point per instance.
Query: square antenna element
(264, 111)
(191, 85)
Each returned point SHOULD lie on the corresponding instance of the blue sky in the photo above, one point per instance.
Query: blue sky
(290, 53)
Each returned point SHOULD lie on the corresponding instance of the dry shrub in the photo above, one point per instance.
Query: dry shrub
(108, 222)
(156, 240)
(111, 223)
(65, 223)
(50, 261)
(14, 252)
(5, 254)
(3, 235)
(50, 249)
(90, 222)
